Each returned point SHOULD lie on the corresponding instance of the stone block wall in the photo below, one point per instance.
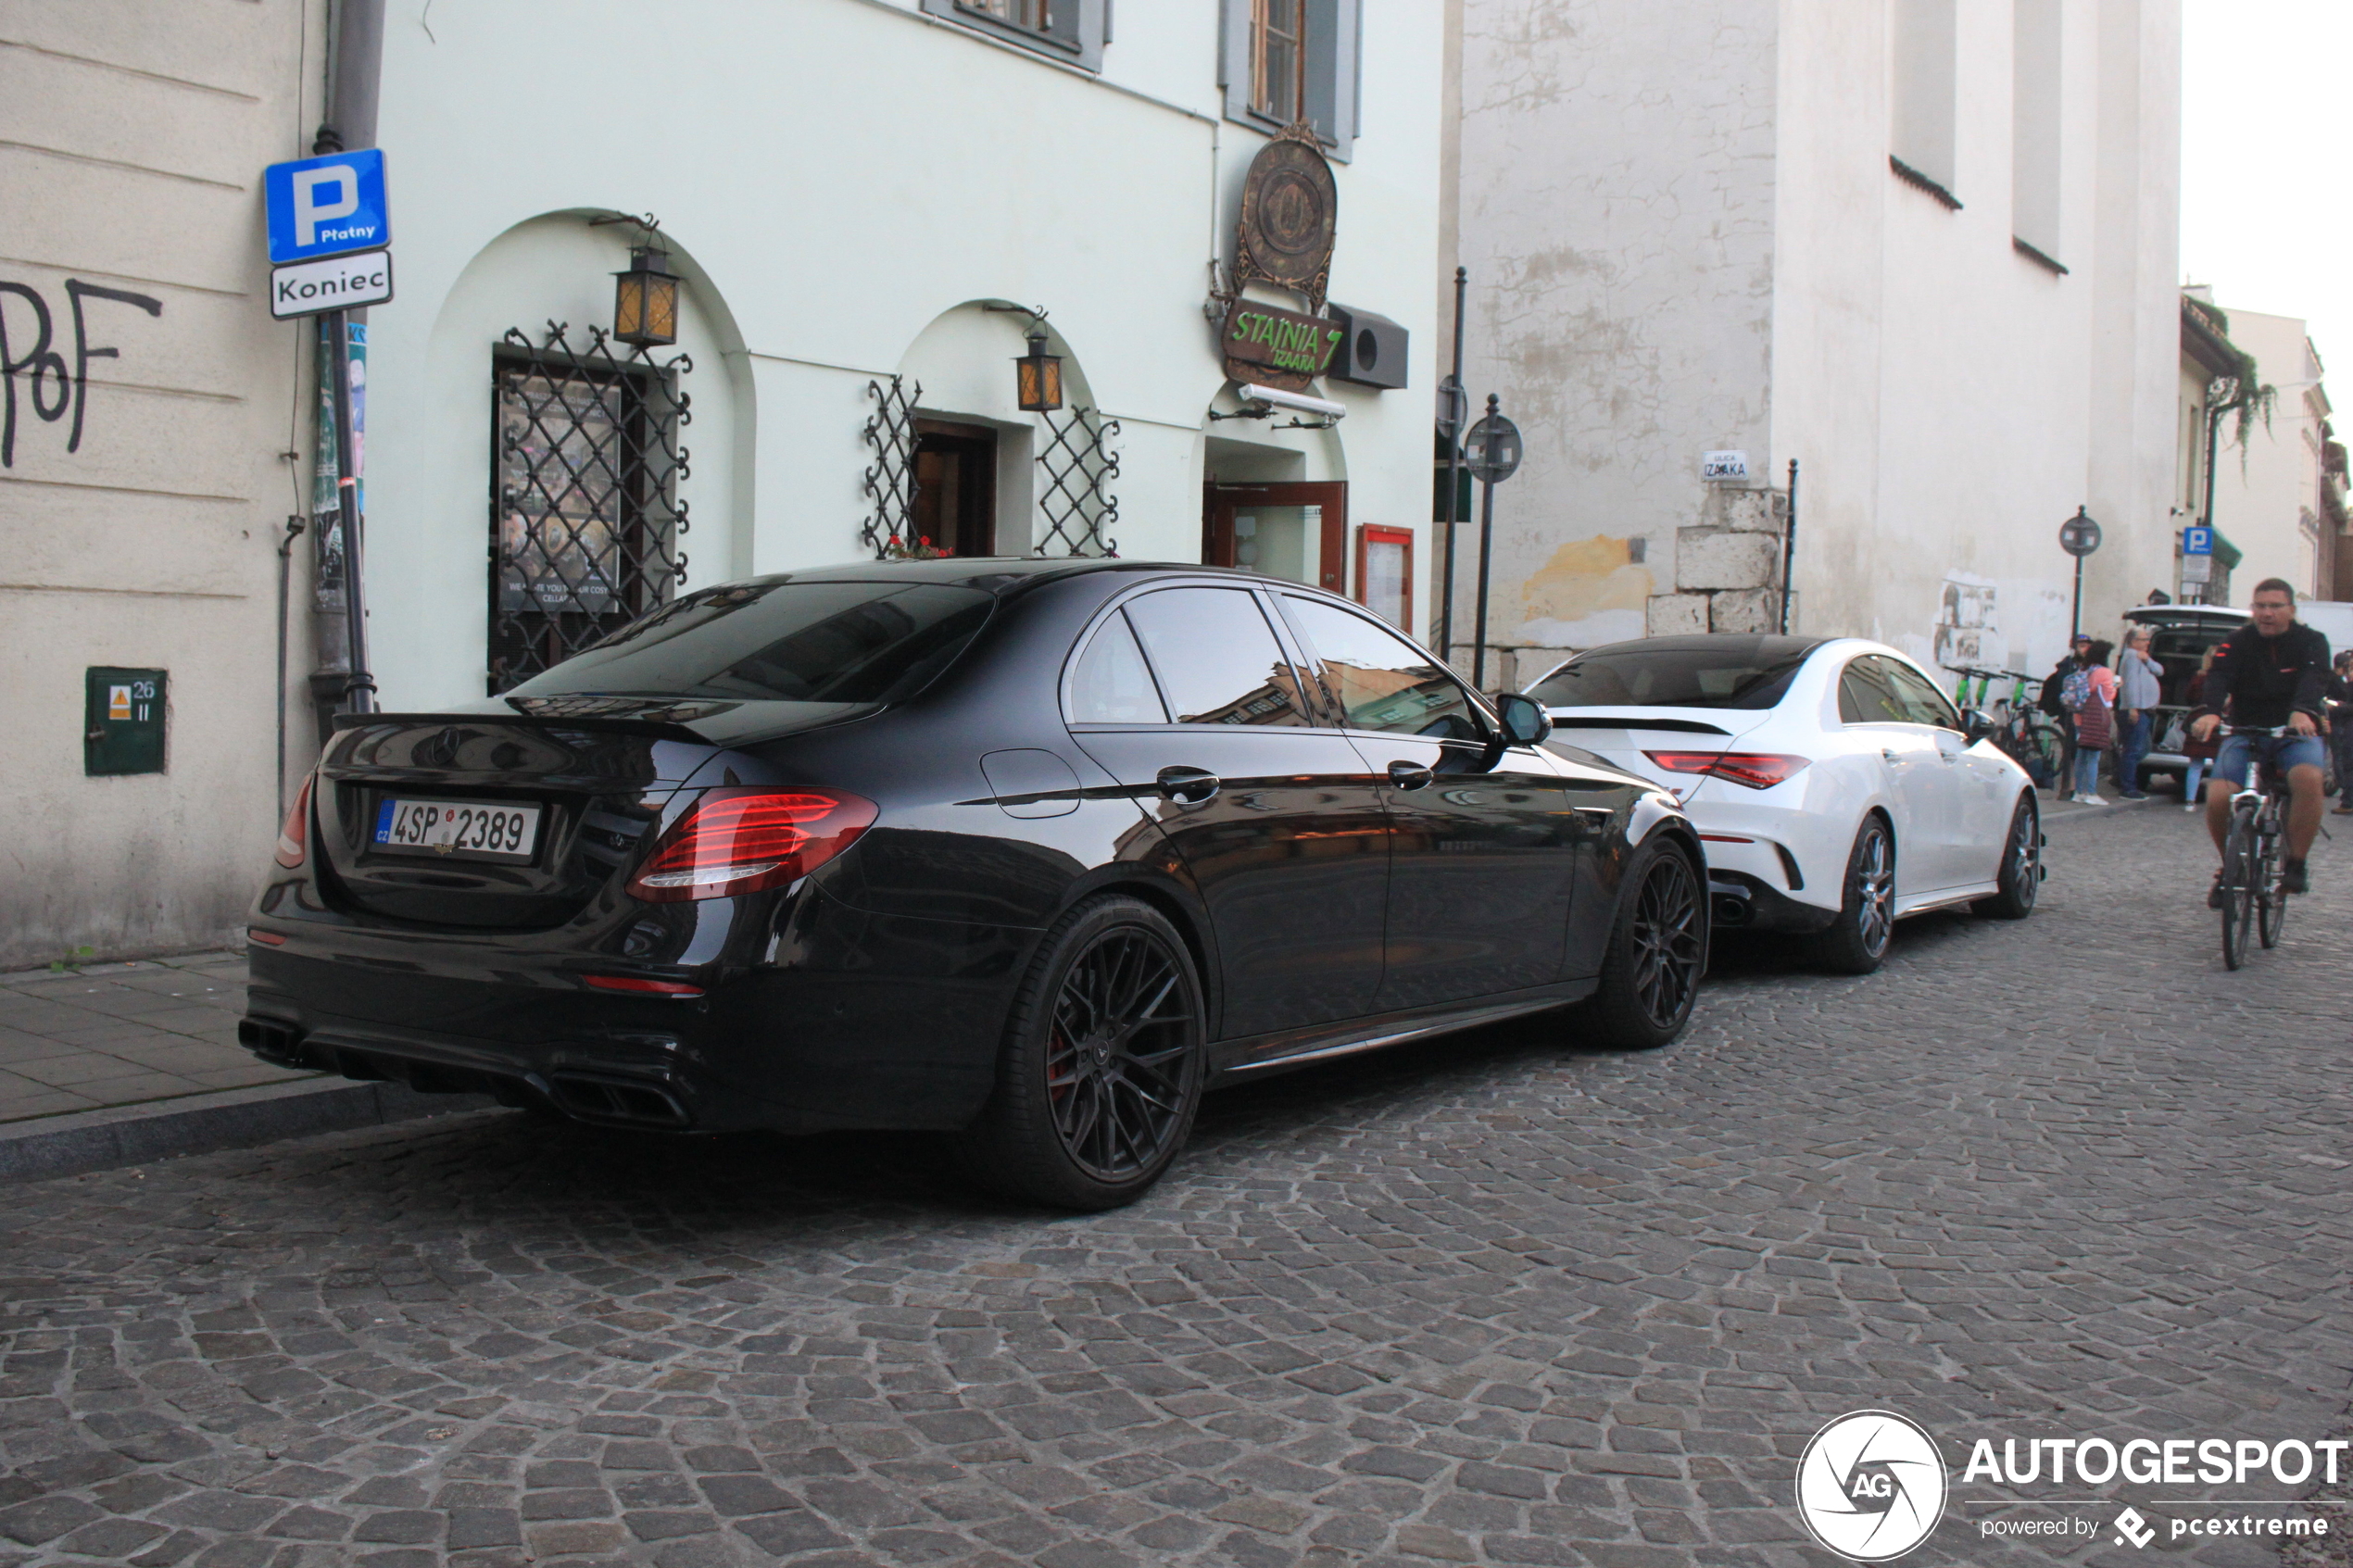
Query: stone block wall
(1727, 568)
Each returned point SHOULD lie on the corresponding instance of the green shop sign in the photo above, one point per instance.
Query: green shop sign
(1292, 347)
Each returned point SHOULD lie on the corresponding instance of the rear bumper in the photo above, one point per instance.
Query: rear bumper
(900, 1027)
(1741, 902)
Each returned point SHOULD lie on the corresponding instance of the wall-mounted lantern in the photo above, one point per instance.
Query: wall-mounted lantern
(645, 299)
(1041, 373)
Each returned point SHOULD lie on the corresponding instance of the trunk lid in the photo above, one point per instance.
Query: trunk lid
(599, 771)
(1624, 738)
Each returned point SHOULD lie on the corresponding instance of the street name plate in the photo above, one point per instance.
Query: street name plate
(339, 283)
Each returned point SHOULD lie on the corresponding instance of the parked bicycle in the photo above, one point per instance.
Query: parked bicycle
(2024, 731)
(2253, 851)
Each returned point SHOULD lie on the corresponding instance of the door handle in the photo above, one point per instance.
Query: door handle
(1891, 756)
(1409, 775)
(1187, 786)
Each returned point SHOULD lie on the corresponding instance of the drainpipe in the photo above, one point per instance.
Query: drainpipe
(2213, 437)
(354, 65)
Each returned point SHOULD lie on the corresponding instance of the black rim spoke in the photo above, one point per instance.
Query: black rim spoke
(1119, 1063)
(1666, 941)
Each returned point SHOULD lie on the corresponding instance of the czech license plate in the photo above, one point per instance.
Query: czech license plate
(465, 830)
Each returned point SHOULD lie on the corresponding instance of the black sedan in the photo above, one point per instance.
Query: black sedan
(1028, 852)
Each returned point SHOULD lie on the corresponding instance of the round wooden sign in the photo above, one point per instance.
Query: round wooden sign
(1290, 211)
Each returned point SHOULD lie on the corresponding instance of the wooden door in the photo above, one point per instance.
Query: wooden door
(1220, 504)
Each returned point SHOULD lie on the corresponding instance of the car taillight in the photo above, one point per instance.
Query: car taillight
(294, 839)
(1757, 769)
(738, 840)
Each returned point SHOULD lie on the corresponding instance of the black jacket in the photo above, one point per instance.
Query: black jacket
(2258, 680)
(2048, 698)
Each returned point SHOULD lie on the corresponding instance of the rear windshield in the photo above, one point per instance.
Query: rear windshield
(1728, 672)
(790, 642)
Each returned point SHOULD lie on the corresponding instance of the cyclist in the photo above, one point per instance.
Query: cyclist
(2271, 672)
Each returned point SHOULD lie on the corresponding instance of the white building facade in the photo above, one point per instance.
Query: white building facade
(1926, 248)
(872, 203)
(2276, 497)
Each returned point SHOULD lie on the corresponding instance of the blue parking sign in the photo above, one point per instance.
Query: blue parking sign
(2197, 541)
(327, 205)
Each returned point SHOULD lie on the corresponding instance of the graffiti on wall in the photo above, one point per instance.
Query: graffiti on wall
(33, 352)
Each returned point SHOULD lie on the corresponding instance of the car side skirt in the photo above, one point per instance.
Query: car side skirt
(1304, 1047)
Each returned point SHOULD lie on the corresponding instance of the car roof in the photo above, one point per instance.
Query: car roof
(1758, 643)
(994, 574)
(2186, 615)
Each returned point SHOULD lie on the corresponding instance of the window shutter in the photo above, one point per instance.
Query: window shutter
(1233, 57)
(1332, 45)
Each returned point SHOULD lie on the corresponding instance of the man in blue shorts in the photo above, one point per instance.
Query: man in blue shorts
(2271, 672)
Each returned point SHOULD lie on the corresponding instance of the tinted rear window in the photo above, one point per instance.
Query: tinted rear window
(1750, 673)
(790, 642)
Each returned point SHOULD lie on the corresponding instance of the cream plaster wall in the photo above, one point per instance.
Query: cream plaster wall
(1615, 211)
(135, 136)
(850, 179)
(1677, 247)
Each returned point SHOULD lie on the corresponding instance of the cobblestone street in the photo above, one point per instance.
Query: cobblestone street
(1490, 1299)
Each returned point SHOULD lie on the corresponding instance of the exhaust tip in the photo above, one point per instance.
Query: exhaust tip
(274, 1042)
(621, 1101)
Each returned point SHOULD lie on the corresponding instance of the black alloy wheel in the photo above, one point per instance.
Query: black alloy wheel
(1857, 941)
(2021, 877)
(1657, 952)
(1102, 1067)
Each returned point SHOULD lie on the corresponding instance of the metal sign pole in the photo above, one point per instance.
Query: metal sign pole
(1486, 561)
(1457, 405)
(1789, 545)
(360, 687)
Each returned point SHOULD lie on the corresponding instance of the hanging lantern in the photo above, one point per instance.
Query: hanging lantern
(1041, 373)
(645, 299)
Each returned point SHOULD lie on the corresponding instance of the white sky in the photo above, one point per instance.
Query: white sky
(2262, 217)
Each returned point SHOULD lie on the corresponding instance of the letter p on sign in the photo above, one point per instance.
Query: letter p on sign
(321, 194)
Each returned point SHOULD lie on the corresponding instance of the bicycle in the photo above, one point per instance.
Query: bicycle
(2252, 861)
(2022, 731)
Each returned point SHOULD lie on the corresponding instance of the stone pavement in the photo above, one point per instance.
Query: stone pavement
(125, 1033)
(1492, 1299)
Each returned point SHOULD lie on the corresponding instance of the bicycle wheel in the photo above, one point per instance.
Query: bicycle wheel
(2041, 749)
(2270, 899)
(2239, 888)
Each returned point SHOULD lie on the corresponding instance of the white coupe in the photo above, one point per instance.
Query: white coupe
(1836, 788)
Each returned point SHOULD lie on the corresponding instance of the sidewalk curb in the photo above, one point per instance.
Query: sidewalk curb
(2077, 813)
(133, 1135)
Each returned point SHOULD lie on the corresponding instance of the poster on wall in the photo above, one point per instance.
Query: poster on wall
(1967, 624)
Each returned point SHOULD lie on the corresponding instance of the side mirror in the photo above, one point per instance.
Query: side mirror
(1525, 721)
(1977, 725)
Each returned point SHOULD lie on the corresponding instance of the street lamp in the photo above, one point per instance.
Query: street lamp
(1040, 388)
(645, 299)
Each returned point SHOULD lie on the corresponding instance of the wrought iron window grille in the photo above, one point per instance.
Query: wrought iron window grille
(889, 529)
(586, 514)
(1077, 464)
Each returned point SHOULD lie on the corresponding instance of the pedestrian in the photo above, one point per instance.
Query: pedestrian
(2089, 693)
(2340, 703)
(2139, 688)
(2197, 752)
(2052, 701)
